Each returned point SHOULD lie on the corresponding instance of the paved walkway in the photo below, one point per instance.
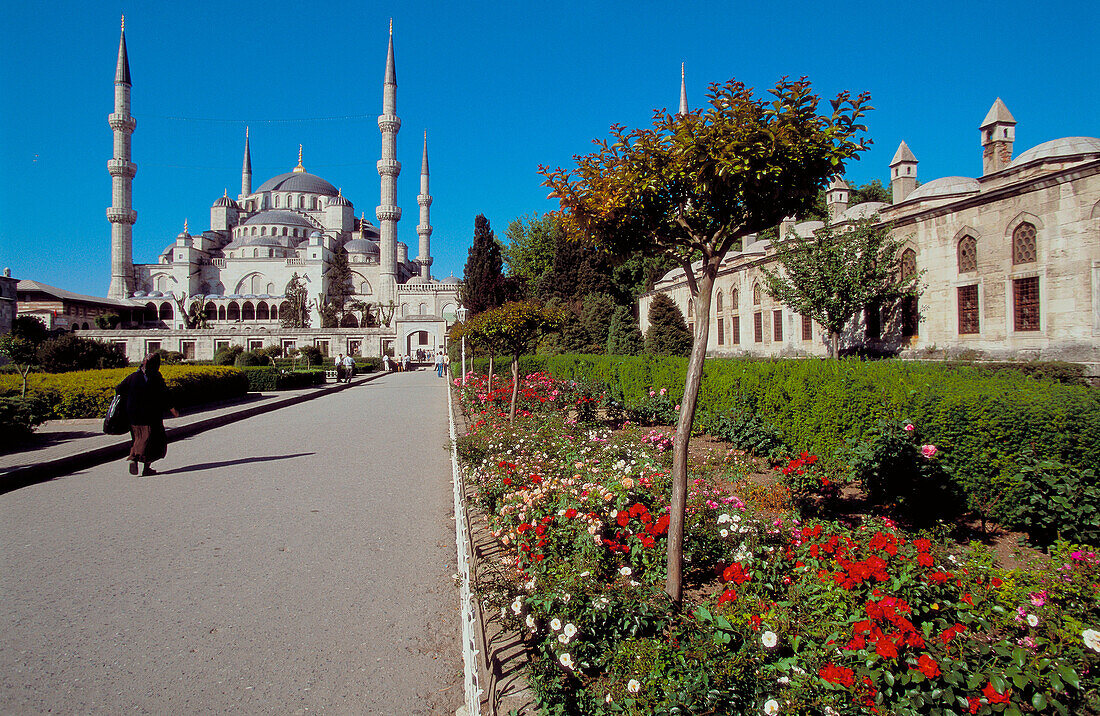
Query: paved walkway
(298, 561)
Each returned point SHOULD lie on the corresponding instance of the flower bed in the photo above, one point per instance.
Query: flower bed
(783, 616)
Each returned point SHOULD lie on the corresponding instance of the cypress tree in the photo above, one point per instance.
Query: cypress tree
(483, 281)
(668, 334)
(624, 337)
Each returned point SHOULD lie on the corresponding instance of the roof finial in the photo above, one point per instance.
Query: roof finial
(299, 168)
(246, 131)
(225, 193)
(391, 26)
(185, 226)
(124, 22)
(362, 222)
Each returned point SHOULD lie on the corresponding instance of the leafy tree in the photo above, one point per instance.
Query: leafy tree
(637, 275)
(21, 345)
(511, 329)
(668, 334)
(691, 188)
(228, 355)
(871, 191)
(577, 270)
(624, 337)
(312, 354)
(296, 314)
(834, 274)
(596, 313)
(334, 302)
(108, 322)
(483, 284)
(71, 352)
(529, 252)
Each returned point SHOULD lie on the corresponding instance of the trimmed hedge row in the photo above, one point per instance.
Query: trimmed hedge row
(86, 394)
(987, 423)
(266, 378)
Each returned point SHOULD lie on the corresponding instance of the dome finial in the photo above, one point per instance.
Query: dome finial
(391, 26)
(185, 226)
(225, 193)
(124, 22)
(299, 168)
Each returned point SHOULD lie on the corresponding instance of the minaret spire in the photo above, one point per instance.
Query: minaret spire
(424, 228)
(388, 213)
(299, 168)
(121, 213)
(683, 93)
(246, 169)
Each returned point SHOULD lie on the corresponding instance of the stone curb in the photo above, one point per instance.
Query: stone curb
(48, 469)
(502, 655)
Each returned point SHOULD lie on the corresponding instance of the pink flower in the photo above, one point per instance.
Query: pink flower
(909, 427)
(928, 450)
(663, 391)
(677, 406)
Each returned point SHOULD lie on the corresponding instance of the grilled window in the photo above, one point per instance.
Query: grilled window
(758, 327)
(968, 254)
(777, 325)
(721, 332)
(1026, 294)
(807, 328)
(968, 309)
(1023, 244)
(735, 330)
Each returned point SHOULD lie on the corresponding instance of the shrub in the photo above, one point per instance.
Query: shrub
(170, 357)
(228, 355)
(71, 352)
(86, 394)
(250, 358)
(266, 378)
(312, 354)
(1058, 502)
(368, 365)
(668, 334)
(748, 433)
(18, 419)
(624, 337)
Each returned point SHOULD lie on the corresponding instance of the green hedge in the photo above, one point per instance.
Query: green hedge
(986, 422)
(266, 378)
(87, 393)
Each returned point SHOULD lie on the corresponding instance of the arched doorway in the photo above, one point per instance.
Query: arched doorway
(417, 340)
(248, 312)
(234, 312)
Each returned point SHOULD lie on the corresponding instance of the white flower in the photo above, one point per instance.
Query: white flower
(1032, 620)
(724, 533)
(585, 573)
(607, 699)
(625, 571)
(570, 630)
(830, 711)
(563, 638)
(555, 624)
(634, 686)
(769, 639)
(736, 518)
(723, 518)
(783, 680)
(566, 660)
(530, 621)
(1092, 639)
(771, 707)
(517, 606)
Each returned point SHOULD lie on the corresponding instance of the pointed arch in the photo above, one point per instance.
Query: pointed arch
(966, 249)
(262, 311)
(233, 311)
(248, 311)
(1095, 214)
(718, 301)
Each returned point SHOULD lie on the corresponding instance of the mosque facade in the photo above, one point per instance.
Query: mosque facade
(1009, 263)
(290, 227)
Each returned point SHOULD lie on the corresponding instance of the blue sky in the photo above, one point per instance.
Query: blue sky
(500, 88)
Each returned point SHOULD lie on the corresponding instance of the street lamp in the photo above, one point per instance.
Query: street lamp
(462, 314)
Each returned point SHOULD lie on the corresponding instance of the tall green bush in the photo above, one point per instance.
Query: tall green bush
(668, 334)
(72, 352)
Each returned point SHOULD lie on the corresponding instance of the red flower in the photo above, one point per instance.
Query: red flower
(968, 599)
(924, 560)
(507, 481)
(540, 530)
(994, 696)
(996, 582)
(922, 545)
(928, 666)
(623, 518)
(523, 528)
(886, 649)
(727, 596)
(570, 513)
(837, 675)
(735, 573)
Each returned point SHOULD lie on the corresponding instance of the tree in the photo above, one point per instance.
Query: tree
(668, 334)
(833, 275)
(21, 345)
(511, 329)
(193, 316)
(691, 188)
(69, 352)
(334, 302)
(296, 314)
(529, 252)
(483, 285)
(624, 337)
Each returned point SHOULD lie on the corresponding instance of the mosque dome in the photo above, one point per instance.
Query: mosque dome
(451, 281)
(227, 202)
(416, 279)
(168, 250)
(278, 216)
(1057, 148)
(338, 200)
(361, 246)
(806, 229)
(316, 234)
(298, 181)
(944, 186)
(863, 211)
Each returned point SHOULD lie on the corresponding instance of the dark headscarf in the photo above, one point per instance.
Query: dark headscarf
(151, 364)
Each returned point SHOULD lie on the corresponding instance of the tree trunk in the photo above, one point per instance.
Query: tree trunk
(515, 388)
(490, 372)
(834, 344)
(674, 583)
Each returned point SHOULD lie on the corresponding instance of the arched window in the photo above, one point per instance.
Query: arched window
(211, 312)
(274, 312)
(317, 205)
(165, 311)
(364, 288)
(301, 202)
(718, 301)
(233, 313)
(756, 295)
(1023, 244)
(221, 313)
(968, 254)
(276, 201)
(910, 312)
(262, 311)
(423, 309)
(735, 297)
(263, 231)
(691, 308)
(254, 231)
(908, 264)
(248, 312)
(270, 289)
(404, 309)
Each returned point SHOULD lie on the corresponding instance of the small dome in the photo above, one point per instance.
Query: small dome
(168, 250)
(1057, 148)
(227, 202)
(806, 229)
(863, 211)
(156, 294)
(451, 281)
(362, 246)
(298, 181)
(338, 200)
(416, 279)
(278, 216)
(945, 186)
(316, 234)
(138, 294)
(757, 247)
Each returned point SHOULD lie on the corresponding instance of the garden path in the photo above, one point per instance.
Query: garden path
(292, 562)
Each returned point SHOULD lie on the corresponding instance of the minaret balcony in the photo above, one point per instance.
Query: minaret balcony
(121, 122)
(424, 230)
(389, 123)
(389, 167)
(121, 216)
(388, 213)
(425, 260)
(424, 200)
(121, 168)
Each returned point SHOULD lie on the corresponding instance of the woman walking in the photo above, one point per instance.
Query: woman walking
(146, 398)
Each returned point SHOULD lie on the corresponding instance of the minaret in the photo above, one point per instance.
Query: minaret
(424, 228)
(246, 170)
(683, 93)
(122, 170)
(389, 168)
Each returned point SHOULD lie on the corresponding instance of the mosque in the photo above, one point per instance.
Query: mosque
(236, 273)
(1009, 262)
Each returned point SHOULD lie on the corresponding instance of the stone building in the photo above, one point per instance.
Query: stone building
(237, 271)
(1011, 262)
(61, 310)
(9, 301)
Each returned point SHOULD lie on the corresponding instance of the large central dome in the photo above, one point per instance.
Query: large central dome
(298, 181)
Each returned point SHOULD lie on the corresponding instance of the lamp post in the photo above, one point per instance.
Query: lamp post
(462, 314)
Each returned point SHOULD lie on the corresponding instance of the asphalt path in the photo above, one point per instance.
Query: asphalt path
(298, 561)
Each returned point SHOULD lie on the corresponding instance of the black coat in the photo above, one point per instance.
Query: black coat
(146, 397)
